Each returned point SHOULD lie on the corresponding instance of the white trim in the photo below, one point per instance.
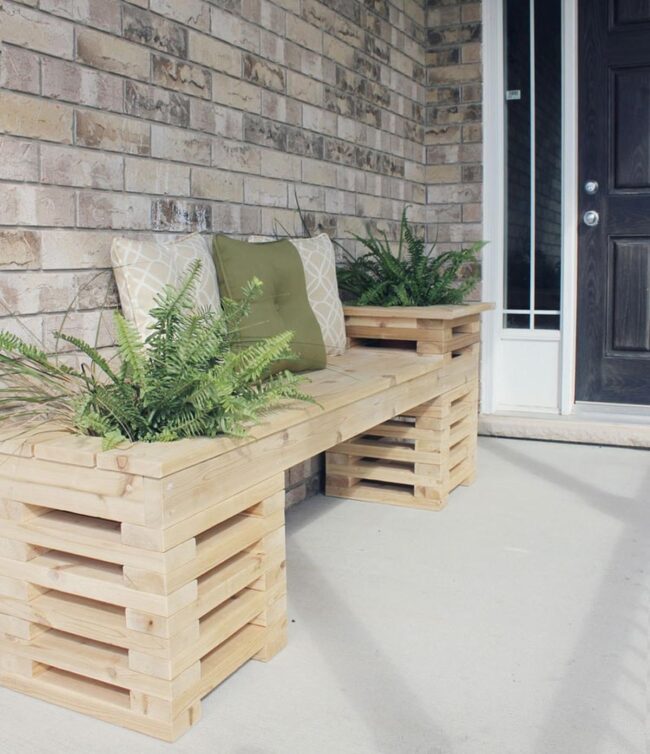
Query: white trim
(569, 298)
(612, 410)
(535, 335)
(532, 117)
(494, 334)
(493, 197)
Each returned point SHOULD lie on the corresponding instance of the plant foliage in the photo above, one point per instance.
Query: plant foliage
(189, 378)
(414, 276)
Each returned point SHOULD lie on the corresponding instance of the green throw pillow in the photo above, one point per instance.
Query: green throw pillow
(283, 304)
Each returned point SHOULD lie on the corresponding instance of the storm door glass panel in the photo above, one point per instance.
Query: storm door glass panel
(519, 138)
(548, 158)
(534, 164)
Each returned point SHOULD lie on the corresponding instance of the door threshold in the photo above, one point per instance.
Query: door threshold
(627, 431)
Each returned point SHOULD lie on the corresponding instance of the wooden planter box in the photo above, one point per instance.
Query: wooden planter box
(420, 456)
(118, 602)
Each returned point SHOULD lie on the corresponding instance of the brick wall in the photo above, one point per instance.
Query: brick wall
(453, 133)
(168, 116)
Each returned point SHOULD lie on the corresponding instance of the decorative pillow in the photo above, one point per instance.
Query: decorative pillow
(143, 268)
(319, 261)
(283, 304)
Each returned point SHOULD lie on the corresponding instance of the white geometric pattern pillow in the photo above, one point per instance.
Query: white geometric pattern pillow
(143, 268)
(319, 262)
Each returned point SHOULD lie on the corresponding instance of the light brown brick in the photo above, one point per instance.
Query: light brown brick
(236, 93)
(28, 28)
(153, 103)
(195, 13)
(112, 132)
(227, 218)
(472, 213)
(272, 18)
(74, 83)
(214, 54)
(95, 288)
(181, 76)
(94, 327)
(303, 88)
(471, 12)
(274, 106)
(180, 145)
(266, 192)
(319, 120)
(261, 72)
(99, 13)
(308, 197)
(304, 34)
(234, 30)
(230, 155)
(452, 74)
(291, 5)
(36, 292)
(221, 185)
(443, 173)
(457, 193)
(272, 47)
(20, 70)
(319, 172)
(153, 30)
(29, 328)
(156, 177)
(471, 53)
(75, 249)
(80, 167)
(18, 159)
(101, 209)
(215, 119)
(112, 54)
(23, 115)
(20, 250)
(23, 204)
(281, 165)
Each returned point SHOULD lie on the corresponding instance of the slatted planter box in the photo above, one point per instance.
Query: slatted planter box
(420, 456)
(111, 604)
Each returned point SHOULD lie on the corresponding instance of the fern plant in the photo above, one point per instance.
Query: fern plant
(412, 277)
(189, 377)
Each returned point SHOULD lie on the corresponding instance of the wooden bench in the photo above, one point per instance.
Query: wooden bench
(134, 581)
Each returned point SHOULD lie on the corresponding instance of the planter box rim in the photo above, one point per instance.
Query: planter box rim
(436, 311)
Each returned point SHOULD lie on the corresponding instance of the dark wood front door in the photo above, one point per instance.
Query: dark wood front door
(613, 344)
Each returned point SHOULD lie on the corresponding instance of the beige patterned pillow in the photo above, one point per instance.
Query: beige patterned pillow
(143, 268)
(319, 261)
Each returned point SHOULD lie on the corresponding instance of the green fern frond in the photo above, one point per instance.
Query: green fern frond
(413, 276)
(187, 379)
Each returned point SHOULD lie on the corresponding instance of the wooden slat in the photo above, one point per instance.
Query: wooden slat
(192, 489)
(359, 374)
(390, 452)
(89, 537)
(444, 312)
(103, 702)
(95, 580)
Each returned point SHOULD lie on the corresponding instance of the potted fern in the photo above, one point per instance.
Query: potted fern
(187, 379)
(411, 297)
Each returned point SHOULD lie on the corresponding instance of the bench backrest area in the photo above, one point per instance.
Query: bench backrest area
(134, 581)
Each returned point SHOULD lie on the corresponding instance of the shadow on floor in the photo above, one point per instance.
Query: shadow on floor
(612, 629)
(353, 655)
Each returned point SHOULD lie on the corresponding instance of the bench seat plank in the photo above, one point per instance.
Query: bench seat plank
(359, 373)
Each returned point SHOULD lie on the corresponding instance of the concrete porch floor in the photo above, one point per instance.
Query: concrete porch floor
(516, 621)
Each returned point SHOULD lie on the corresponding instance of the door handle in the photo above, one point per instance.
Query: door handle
(591, 218)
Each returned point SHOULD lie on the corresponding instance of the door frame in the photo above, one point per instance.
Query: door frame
(494, 335)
